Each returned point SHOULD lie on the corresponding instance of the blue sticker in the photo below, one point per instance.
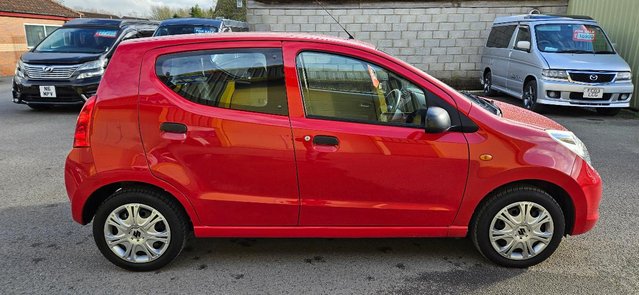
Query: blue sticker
(106, 33)
(202, 30)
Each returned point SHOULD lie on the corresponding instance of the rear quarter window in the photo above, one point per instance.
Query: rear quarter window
(239, 79)
(500, 36)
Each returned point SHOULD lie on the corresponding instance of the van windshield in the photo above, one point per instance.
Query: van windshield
(79, 40)
(185, 29)
(572, 38)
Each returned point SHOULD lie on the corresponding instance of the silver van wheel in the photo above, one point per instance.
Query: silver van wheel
(521, 230)
(137, 233)
(488, 84)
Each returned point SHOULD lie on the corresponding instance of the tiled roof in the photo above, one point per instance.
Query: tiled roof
(40, 7)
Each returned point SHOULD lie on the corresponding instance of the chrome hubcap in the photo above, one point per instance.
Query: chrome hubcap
(521, 230)
(137, 233)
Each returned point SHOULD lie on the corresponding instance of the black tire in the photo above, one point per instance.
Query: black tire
(529, 97)
(480, 228)
(608, 111)
(488, 84)
(169, 209)
(39, 107)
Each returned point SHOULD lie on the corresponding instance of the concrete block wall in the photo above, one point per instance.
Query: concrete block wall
(443, 38)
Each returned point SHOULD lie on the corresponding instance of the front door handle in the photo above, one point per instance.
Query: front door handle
(325, 140)
(172, 127)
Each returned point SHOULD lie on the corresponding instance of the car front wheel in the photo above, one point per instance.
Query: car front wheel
(139, 229)
(518, 227)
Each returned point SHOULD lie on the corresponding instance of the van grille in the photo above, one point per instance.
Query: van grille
(57, 72)
(588, 77)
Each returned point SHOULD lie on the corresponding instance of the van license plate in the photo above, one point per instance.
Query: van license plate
(593, 92)
(47, 91)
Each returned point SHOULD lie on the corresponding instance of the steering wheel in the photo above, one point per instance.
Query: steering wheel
(398, 98)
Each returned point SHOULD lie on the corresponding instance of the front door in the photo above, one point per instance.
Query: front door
(521, 62)
(214, 123)
(362, 154)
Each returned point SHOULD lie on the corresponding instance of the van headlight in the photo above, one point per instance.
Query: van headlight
(92, 68)
(20, 71)
(624, 76)
(555, 74)
(572, 142)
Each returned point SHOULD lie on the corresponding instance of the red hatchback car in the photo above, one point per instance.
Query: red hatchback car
(282, 135)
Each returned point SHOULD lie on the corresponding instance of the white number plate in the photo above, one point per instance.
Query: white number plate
(47, 91)
(593, 92)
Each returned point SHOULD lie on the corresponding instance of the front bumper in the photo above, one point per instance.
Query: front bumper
(68, 92)
(571, 94)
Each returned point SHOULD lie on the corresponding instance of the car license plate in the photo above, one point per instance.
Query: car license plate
(593, 92)
(47, 91)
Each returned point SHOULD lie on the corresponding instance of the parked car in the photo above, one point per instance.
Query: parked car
(282, 135)
(180, 26)
(555, 60)
(66, 67)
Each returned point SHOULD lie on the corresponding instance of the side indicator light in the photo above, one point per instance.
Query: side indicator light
(486, 157)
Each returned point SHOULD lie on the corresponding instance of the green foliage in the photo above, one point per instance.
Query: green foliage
(196, 11)
(228, 9)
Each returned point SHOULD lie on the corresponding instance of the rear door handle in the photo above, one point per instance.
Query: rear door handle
(325, 140)
(172, 127)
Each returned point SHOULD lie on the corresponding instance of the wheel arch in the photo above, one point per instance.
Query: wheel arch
(555, 191)
(95, 199)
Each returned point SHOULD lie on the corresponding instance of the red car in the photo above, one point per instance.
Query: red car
(282, 135)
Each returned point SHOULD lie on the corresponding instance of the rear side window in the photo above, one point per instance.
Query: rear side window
(239, 79)
(500, 36)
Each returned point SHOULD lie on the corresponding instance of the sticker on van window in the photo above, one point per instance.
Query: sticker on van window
(106, 33)
(583, 35)
(202, 30)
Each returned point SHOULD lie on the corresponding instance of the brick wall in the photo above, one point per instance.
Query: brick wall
(13, 40)
(443, 38)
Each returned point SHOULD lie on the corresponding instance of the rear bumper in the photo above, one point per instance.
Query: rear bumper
(571, 94)
(67, 92)
(587, 209)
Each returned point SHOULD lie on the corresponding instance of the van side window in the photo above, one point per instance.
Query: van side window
(239, 79)
(500, 36)
(523, 35)
(348, 89)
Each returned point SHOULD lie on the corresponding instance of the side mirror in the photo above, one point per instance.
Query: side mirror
(437, 120)
(523, 45)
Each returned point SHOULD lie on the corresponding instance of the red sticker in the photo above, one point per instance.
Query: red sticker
(583, 35)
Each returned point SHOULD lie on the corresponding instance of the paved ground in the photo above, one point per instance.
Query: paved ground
(43, 251)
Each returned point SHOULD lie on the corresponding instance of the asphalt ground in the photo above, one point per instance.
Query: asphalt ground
(43, 251)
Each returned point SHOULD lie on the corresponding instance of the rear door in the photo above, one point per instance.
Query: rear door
(214, 123)
(363, 156)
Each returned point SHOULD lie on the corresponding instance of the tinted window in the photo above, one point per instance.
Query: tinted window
(79, 40)
(344, 88)
(500, 36)
(523, 34)
(240, 79)
(185, 29)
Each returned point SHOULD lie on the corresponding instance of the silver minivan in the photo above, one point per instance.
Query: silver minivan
(555, 60)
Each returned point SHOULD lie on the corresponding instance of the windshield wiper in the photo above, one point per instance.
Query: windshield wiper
(574, 51)
(604, 52)
(484, 103)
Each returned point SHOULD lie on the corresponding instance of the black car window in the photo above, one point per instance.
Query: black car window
(500, 36)
(240, 79)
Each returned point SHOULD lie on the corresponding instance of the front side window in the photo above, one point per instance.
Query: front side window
(500, 36)
(240, 79)
(344, 88)
(523, 34)
(35, 33)
(572, 38)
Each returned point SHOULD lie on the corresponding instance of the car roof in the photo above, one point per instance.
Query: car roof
(106, 22)
(542, 18)
(247, 36)
(191, 21)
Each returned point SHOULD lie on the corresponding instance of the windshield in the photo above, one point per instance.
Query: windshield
(572, 38)
(486, 104)
(185, 29)
(79, 40)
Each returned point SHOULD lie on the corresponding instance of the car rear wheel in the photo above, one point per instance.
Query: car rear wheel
(488, 84)
(518, 227)
(139, 229)
(530, 97)
(608, 111)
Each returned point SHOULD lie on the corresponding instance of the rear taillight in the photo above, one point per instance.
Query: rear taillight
(82, 128)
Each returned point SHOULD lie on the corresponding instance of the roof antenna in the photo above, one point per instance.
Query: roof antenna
(347, 33)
